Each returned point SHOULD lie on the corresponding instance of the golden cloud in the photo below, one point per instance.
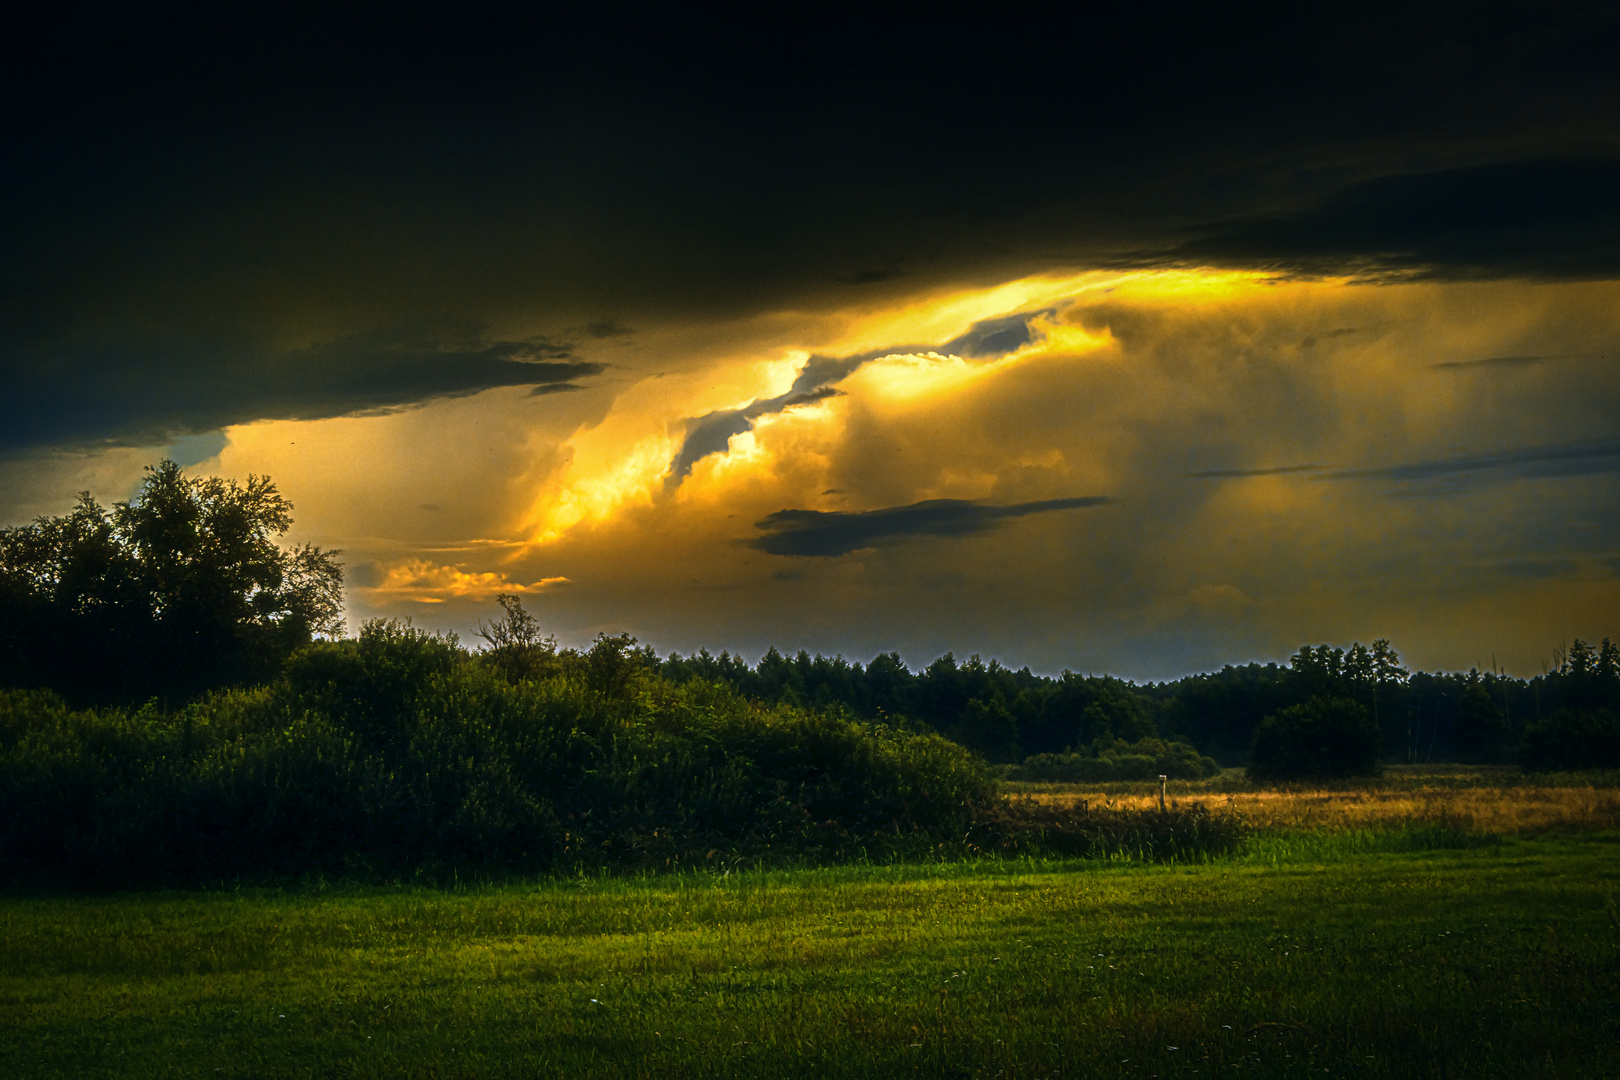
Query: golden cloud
(424, 582)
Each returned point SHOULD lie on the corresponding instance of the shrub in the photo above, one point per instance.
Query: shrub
(517, 646)
(1571, 739)
(371, 686)
(1115, 759)
(1323, 737)
(394, 756)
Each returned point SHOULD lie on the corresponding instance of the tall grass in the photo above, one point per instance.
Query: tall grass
(1190, 833)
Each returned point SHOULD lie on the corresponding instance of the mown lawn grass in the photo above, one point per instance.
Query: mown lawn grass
(1395, 953)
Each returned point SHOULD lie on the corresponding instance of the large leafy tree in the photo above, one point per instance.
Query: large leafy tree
(180, 589)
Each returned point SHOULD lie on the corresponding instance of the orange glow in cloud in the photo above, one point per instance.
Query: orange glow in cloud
(944, 315)
(602, 486)
(425, 582)
(623, 462)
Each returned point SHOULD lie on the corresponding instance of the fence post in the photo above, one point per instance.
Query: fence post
(1162, 779)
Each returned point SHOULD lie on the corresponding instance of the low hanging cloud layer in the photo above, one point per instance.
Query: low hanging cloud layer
(82, 399)
(1541, 218)
(827, 533)
(732, 339)
(1522, 463)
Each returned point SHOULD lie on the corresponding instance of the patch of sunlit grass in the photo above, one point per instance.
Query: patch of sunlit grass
(1491, 799)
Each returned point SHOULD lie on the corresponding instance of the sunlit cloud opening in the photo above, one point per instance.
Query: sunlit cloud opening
(596, 489)
(616, 465)
(943, 316)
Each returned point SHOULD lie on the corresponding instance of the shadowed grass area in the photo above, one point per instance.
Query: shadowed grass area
(1399, 953)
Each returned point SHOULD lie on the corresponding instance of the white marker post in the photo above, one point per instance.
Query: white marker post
(1162, 780)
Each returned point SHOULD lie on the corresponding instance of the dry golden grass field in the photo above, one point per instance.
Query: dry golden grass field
(1491, 799)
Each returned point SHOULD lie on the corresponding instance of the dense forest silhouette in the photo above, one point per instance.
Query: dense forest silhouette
(1007, 715)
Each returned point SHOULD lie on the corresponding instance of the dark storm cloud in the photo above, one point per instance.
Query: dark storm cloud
(1274, 470)
(183, 190)
(388, 370)
(1539, 569)
(1494, 362)
(81, 398)
(1546, 219)
(827, 533)
(991, 337)
(711, 433)
(1534, 462)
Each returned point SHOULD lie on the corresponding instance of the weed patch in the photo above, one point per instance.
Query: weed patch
(1190, 833)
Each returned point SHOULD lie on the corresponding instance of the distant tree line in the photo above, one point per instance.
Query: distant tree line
(1009, 716)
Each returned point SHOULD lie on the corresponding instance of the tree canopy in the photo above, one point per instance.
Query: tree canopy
(178, 590)
(1322, 737)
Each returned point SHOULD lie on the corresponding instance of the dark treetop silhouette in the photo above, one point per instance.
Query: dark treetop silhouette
(181, 589)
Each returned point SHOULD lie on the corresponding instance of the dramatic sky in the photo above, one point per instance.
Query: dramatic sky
(1078, 340)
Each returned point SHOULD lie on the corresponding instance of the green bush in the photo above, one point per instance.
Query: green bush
(1114, 759)
(1573, 739)
(396, 756)
(1323, 737)
(373, 684)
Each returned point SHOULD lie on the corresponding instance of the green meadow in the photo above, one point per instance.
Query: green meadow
(1418, 950)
